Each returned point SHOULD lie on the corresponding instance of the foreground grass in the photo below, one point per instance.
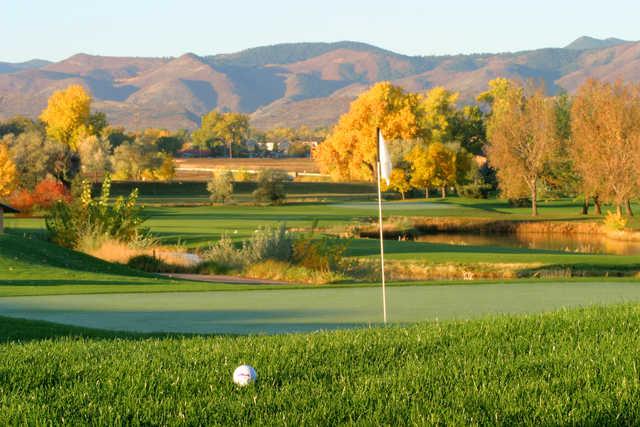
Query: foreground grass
(570, 367)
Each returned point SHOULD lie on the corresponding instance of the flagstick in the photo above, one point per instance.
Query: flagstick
(384, 293)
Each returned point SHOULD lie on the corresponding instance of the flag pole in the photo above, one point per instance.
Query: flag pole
(384, 291)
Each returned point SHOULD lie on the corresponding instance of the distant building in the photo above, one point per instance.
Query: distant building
(3, 209)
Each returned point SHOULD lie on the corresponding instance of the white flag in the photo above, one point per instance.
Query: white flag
(385, 159)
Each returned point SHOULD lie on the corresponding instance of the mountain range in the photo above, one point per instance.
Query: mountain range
(292, 84)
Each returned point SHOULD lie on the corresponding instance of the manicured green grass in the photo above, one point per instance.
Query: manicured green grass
(189, 192)
(198, 225)
(299, 310)
(570, 367)
(443, 253)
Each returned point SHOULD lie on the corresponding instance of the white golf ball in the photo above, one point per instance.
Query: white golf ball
(244, 375)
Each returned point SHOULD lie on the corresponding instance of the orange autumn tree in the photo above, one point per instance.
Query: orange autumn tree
(605, 130)
(349, 152)
(522, 138)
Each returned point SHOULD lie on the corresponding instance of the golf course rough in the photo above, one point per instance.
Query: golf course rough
(569, 367)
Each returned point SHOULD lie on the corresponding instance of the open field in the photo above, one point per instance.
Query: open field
(570, 367)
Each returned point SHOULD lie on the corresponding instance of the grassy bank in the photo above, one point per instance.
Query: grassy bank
(570, 367)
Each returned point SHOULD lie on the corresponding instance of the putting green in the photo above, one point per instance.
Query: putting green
(297, 310)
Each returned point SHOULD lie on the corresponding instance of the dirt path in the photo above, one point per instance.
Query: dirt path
(218, 278)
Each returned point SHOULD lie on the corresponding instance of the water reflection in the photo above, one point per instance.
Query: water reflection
(577, 243)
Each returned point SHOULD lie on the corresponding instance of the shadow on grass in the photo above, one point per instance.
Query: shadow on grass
(172, 324)
(31, 250)
(26, 330)
(160, 281)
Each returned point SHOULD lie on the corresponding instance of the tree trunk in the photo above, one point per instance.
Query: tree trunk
(443, 191)
(230, 151)
(585, 207)
(426, 192)
(619, 209)
(627, 206)
(402, 195)
(534, 199)
(596, 203)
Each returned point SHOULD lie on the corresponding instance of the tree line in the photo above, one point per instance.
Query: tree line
(70, 140)
(586, 145)
(432, 141)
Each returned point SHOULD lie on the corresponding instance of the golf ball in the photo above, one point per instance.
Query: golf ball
(244, 375)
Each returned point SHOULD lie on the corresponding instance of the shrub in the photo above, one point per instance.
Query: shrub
(220, 187)
(271, 187)
(615, 221)
(319, 254)
(23, 201)
(224, 253)
(474, 190)
(520, 203)
(266, 243)
(151, 264)
(286, 272)
(269, 243)
(211, 267)
(90, 218)
(49, 191)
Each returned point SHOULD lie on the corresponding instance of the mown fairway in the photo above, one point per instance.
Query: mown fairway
(197, 225)
(575, 367)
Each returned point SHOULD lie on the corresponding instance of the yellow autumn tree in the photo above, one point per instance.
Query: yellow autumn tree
(439, 110)
(433, 165)
(349, 152)
(8, 176)
(67, 116)
(398, 181)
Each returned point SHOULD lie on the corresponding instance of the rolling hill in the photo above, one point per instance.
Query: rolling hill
(292, 84)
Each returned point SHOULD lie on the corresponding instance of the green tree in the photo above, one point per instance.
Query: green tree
(468, 127)
(220, 186)
(37, 157)
(95, 156)
(271, 187)
(136, 160)
(230, 129)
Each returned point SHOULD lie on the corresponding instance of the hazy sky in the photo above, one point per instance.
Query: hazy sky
(56, 29)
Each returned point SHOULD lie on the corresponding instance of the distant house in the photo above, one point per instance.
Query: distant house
(3, 209)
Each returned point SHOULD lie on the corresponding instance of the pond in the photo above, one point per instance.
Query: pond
(576, 243)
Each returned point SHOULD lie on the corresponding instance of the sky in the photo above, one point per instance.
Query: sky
(55, 30)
